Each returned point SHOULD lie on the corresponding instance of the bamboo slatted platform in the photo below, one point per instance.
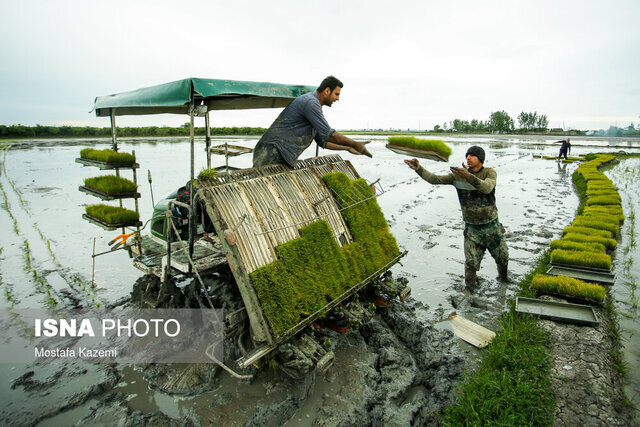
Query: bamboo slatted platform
(266, 207)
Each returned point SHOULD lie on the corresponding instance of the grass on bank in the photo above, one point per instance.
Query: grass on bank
(512, 385)
(111, 184)
(569, 287)
(421, 144)
(112, 214)
(107, 156)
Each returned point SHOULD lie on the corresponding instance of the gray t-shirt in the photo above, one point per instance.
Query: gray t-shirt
(299, 123)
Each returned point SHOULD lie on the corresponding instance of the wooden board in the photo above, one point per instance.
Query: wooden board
(474, 334)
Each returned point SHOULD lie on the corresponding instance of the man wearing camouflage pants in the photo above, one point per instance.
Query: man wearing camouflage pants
(475, 185)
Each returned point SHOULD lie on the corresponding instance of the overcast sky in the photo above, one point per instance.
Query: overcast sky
(405, 64)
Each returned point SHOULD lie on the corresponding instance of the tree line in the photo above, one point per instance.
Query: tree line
(499, 121)
(39, 131)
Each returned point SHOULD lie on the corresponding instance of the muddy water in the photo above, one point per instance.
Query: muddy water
(627, 269)
(40, 178)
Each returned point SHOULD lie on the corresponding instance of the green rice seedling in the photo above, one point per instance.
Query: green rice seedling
(568, 245)
(586, 230)
(610, 244)
(585, 259)
(603, 200)
(207, 174)
(111, 184)
(569, 287)
(549, 157)
(537, 156)
(575, 159)
(421, 144)
(313, 269)
(590, 222)
(112, 214)
(107, 156)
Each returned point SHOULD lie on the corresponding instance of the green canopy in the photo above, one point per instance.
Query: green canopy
(174, 97)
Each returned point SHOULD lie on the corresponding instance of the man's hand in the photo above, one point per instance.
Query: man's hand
(460, 173)
(361, 149)
(413, 164)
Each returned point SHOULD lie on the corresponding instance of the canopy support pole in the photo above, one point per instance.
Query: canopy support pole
(114, 139)
(207, 139)
(192, 210)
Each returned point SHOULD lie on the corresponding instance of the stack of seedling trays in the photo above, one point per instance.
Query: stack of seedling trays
(581, 260)
(424, 148)
(110, 187)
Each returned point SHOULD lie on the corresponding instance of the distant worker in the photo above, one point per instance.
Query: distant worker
(477, 195)
(300, 123)
(565, 148)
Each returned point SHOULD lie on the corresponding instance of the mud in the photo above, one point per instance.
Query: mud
(398, 369)
(587, 386)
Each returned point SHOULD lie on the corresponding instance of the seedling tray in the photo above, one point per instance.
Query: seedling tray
(603, 277)
(231, 150)
(108, 226)
(558, 311)
(106, 165)
(413, 152)
(105, 196)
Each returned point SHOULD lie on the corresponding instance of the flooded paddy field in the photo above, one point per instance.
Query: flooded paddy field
(398, 369)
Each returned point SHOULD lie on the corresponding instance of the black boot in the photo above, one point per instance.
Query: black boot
(502, 272)
(470, 279)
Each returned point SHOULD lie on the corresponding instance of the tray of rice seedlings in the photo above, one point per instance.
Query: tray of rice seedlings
(586, 230)
(613, 199)
(602, 192)
(604, 216)
(568, 245)
(110, 187)
(107, 159)
(597, 223)
(610, 244)
(592, 260)
(590, 276)
(578, 314)
(569, 288)
(424, 148)
(537, 156)
(111, 217)
(596, 186)
(608, 213)
(550, 157)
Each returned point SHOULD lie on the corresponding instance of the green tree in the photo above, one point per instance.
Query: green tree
(500, 121)
(543, 123)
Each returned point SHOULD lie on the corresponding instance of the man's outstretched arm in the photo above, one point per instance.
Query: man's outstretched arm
(338, 141)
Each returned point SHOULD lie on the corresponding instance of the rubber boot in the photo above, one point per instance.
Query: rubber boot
(470, 279)
(502, 272)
